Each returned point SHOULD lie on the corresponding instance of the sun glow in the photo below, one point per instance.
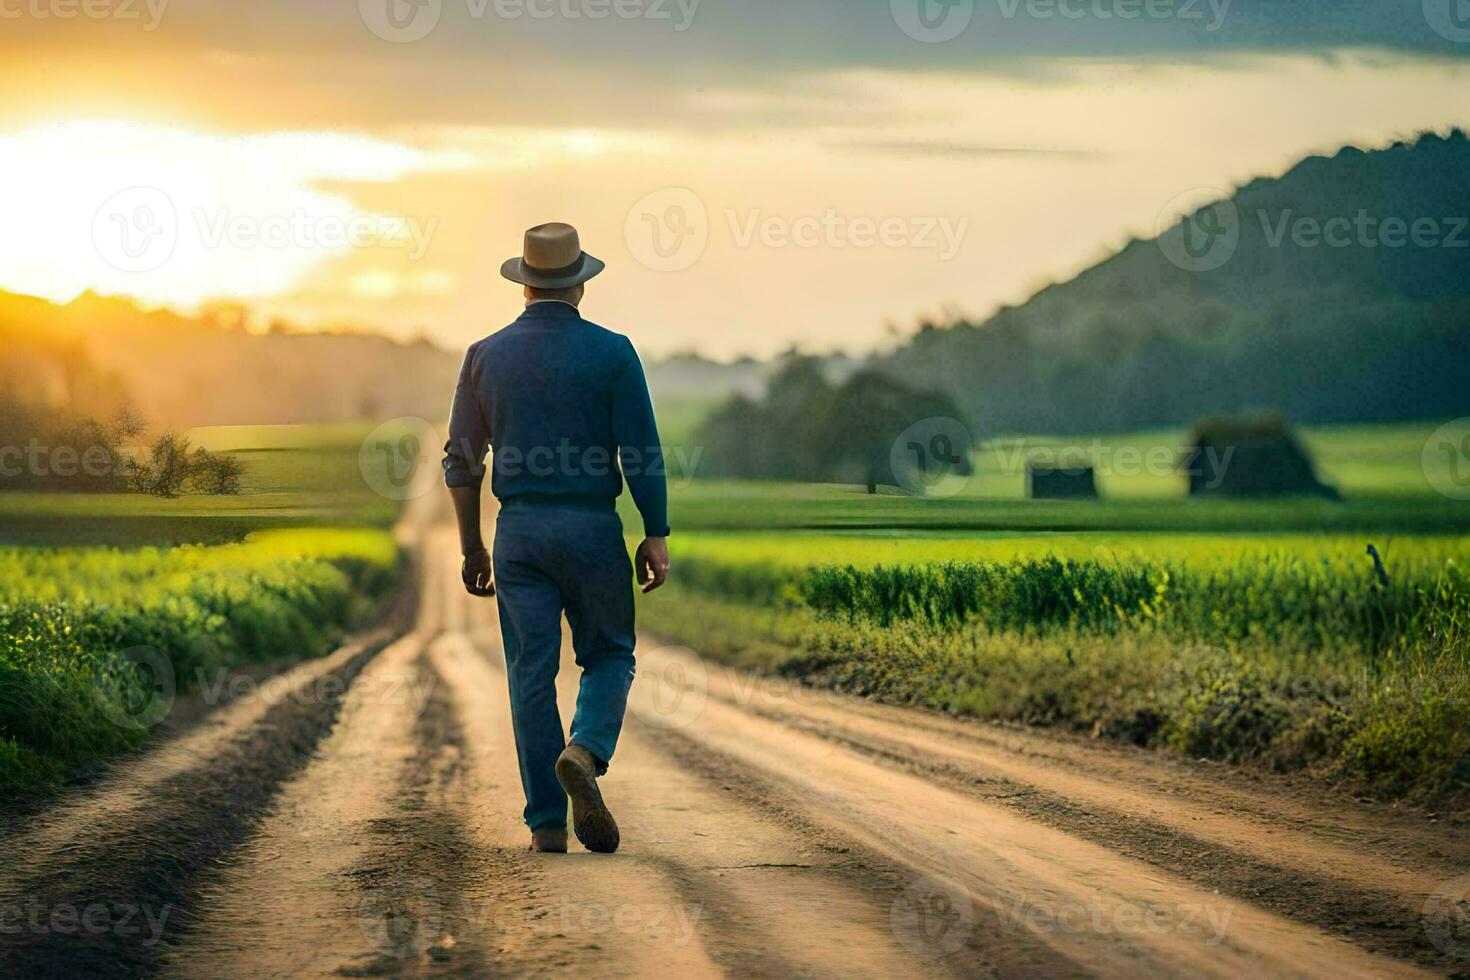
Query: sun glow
(177, 217)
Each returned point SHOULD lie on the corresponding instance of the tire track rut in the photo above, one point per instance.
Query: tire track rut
(1375, 903)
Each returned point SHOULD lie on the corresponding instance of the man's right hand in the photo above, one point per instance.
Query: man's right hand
(478, 574)
(652, 563)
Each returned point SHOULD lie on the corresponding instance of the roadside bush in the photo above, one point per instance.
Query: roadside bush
(57, 663)
(763, 585)
(1412, 731)
(1217, 706)
(68, 690)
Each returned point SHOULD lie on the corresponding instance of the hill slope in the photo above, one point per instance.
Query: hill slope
(1370, 324)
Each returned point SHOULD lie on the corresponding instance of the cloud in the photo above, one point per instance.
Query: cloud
(306, 62)
(942, 148)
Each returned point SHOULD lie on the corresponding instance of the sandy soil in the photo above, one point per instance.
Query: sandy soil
(359, 816)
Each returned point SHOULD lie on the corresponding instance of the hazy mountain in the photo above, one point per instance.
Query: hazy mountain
(96, 354)
(1337, 292)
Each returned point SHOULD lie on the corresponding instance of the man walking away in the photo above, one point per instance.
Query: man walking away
(563, 406)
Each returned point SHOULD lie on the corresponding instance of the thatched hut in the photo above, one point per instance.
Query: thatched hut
(1250, 456)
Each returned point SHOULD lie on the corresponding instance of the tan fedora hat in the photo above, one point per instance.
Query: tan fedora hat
(552, 259)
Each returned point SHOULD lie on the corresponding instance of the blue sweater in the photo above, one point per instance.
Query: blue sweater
(564, 405)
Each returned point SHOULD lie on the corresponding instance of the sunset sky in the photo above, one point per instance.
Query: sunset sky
(755, 173)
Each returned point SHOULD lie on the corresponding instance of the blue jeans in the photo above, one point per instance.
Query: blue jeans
(549, 561)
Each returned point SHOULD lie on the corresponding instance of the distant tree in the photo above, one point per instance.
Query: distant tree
(126, 425)
(866, 417)
(732, 438)
(796, 403)
(167, 469)
(216, 474)
(75, 453)
(807, 429)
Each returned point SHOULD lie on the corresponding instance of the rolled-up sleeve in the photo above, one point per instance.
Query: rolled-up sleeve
(469, 436)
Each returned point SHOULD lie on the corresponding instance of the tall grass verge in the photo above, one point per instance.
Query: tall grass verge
(85, 632)
(1277, 659)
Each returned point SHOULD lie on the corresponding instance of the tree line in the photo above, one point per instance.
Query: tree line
(809, 429)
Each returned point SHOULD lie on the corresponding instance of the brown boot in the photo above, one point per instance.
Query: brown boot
(549, 840)
(594, 825)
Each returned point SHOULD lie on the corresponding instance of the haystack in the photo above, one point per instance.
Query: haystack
(1250, 456)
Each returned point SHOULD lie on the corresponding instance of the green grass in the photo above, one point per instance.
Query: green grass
(104, 592)
(1239, 630)
(1400, 729)
(118, 578)
(744, 506)
(797, 549)
(1278, 658)
(1379, 470)
(295, 477)
(76, 623)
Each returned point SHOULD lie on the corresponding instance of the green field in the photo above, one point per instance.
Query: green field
(113, 601)
(1388, 501)
(1251, 631)
(1378, 469)
(295, 476)
(1241, 630)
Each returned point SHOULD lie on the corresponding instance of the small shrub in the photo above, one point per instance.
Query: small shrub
(216, 474)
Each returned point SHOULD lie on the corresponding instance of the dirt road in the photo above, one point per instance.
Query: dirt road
(359, 816)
